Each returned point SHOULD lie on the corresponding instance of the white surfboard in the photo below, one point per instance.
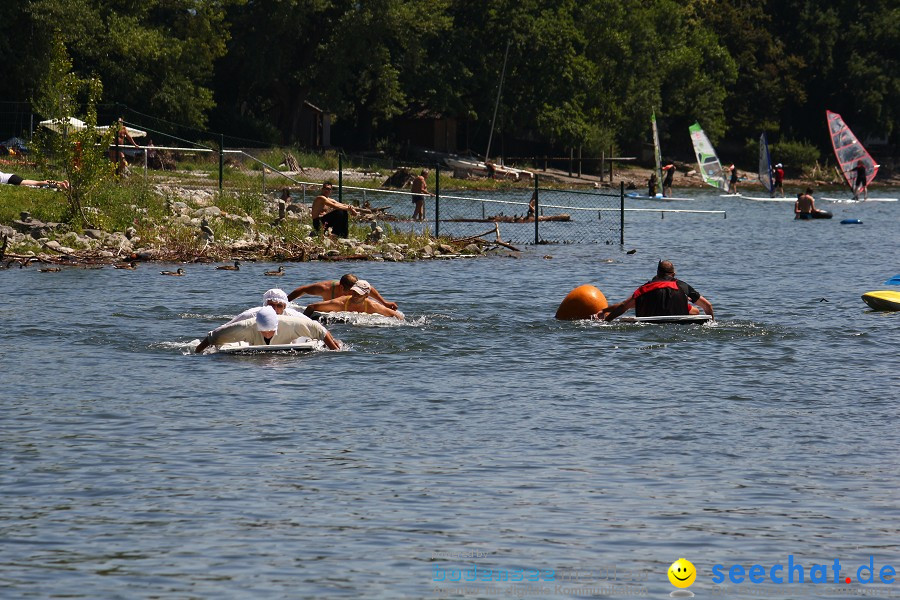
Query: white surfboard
(245, 348)
(860, 201)
(680, 319)
(762, 199)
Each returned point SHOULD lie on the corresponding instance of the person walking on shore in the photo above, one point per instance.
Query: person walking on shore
(420, 188)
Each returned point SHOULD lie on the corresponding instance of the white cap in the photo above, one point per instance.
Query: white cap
(267, 319)
(276, 295)
(361, 287)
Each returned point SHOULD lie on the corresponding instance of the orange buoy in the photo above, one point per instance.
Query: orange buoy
(581, 303)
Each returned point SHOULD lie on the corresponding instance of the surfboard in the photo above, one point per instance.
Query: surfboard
(679, 319)
(882, 299)
(656, 197)
(244, 348)
(851, 200)
(761, 199)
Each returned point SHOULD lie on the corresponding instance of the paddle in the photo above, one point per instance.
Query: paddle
(895, 280)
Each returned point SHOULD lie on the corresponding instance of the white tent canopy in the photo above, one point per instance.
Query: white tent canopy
(73, 124)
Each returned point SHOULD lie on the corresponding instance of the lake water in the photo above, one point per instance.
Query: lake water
(480, 435)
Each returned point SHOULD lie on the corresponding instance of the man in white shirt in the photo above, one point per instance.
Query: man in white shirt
(268, 328)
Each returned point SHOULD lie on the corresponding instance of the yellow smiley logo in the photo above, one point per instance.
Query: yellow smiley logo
(682, 573)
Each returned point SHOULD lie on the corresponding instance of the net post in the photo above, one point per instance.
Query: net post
(437, 200)
(536, 211)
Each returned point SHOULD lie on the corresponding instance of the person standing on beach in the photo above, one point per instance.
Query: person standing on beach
(420, 188)
(667, 182)
(860, 184)
(115, 154)
(778, 175)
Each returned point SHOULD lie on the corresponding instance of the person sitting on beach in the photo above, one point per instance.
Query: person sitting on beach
(267, 328)
(663, 295)
(330, 213)
(13, 179)
(328, 290)
(805, 205)
(357, 301)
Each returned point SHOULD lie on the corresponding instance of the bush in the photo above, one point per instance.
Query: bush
(798, 157)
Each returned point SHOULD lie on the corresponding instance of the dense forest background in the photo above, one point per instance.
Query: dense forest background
(580, 73)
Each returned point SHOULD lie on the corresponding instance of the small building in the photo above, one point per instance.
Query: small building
(313, 127)
(428, 130)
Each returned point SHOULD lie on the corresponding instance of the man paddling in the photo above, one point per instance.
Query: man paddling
(268, 328)
(664, 295)
(328, 290)
(357, 301)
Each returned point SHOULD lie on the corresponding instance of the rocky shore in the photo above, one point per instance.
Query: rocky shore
(186, 234)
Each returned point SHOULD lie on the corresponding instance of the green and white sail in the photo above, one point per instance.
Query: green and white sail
(710, 167)
(656, 151)
(765, 164)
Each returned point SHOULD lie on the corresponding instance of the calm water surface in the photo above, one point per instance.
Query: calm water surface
(130, 468)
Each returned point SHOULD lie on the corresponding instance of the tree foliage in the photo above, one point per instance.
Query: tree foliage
(579, 72)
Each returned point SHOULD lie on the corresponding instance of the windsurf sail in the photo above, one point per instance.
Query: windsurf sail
(656, 150)
(710, 167)
(765, 164)
(848, 150)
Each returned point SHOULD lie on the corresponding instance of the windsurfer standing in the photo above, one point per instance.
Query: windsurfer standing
(860, 184)
(778, 175)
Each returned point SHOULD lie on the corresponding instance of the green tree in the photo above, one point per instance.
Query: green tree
(156, 56)
(76, 152)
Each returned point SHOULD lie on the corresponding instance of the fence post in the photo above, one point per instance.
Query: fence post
(437, 201)
(340, 177)
(536, 211)
(622, 213)
(221, 159)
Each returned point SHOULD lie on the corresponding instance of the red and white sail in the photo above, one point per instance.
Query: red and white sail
(848, 150)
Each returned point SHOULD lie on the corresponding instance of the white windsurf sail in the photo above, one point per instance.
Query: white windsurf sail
(848, 150)
(765, 164)
(656, 151)
(710, 167)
